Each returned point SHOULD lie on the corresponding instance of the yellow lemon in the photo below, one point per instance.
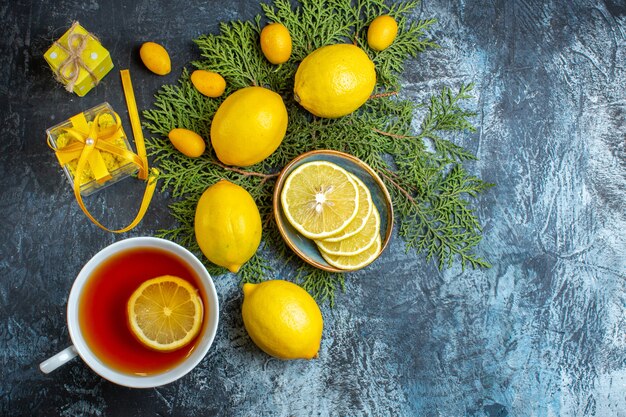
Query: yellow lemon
(382, 32)
(276, 43)
(155, 58)
(211, 84)
(334, 80)
(248, 126)
(227, 225)
(282, 319)
(188, 142)
(165, 313)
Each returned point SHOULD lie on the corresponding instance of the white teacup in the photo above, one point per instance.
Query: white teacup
(81, 348)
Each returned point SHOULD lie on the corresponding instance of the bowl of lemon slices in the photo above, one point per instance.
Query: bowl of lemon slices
(333, 210)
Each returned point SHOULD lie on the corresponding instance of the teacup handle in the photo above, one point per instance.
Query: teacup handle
(57, 360)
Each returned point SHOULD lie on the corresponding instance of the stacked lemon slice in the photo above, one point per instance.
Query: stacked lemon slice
(328, 204)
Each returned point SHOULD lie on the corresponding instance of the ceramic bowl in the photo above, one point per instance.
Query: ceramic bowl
(305, 248)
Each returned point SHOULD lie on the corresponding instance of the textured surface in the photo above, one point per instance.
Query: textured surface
(542, 333)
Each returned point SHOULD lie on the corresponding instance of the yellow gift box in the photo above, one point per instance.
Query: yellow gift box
(111, 160)
(78, 60)
(93, 150)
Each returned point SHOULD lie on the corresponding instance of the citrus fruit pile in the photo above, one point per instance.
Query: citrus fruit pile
(165, 313)
(251, 123)
(320, 199)
(334, 208)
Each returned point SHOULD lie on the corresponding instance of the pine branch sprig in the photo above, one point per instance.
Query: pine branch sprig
(321, 284)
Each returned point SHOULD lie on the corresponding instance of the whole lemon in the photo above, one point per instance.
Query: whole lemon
(282, 319)
(227, 225)
(382, 32)
(276, 43)
(248, 126)
(334, 80)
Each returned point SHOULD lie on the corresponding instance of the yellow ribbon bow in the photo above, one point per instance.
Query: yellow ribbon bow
(93, 137)
(76, 44)
(90, 140)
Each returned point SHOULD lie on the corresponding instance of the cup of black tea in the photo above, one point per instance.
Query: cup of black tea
(97, 315)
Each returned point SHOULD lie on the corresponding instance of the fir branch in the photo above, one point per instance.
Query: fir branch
(387, 177)
(380, 132)
(387, 94)
(409, 43)
(264, 177)
(446, 115)
(320, 284)
(184, 232)
(315, 23)
(233, 54)
(256, 270)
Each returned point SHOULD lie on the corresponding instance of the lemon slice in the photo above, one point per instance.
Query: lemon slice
(319, 199)
(165, 313)
(356, 244)
(364, 212)
(355, 261)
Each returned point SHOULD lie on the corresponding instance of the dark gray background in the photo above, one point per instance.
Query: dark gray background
(542, 333)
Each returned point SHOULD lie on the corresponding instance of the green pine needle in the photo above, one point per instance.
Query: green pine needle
(424, 171)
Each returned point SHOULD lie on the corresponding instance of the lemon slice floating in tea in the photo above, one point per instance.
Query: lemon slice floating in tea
(355, 244)
(165, 313)
(320, 199)
(354, 261)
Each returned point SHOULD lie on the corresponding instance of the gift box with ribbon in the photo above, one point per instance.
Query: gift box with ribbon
(78, 60)
(94, 152)
(112, 158)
